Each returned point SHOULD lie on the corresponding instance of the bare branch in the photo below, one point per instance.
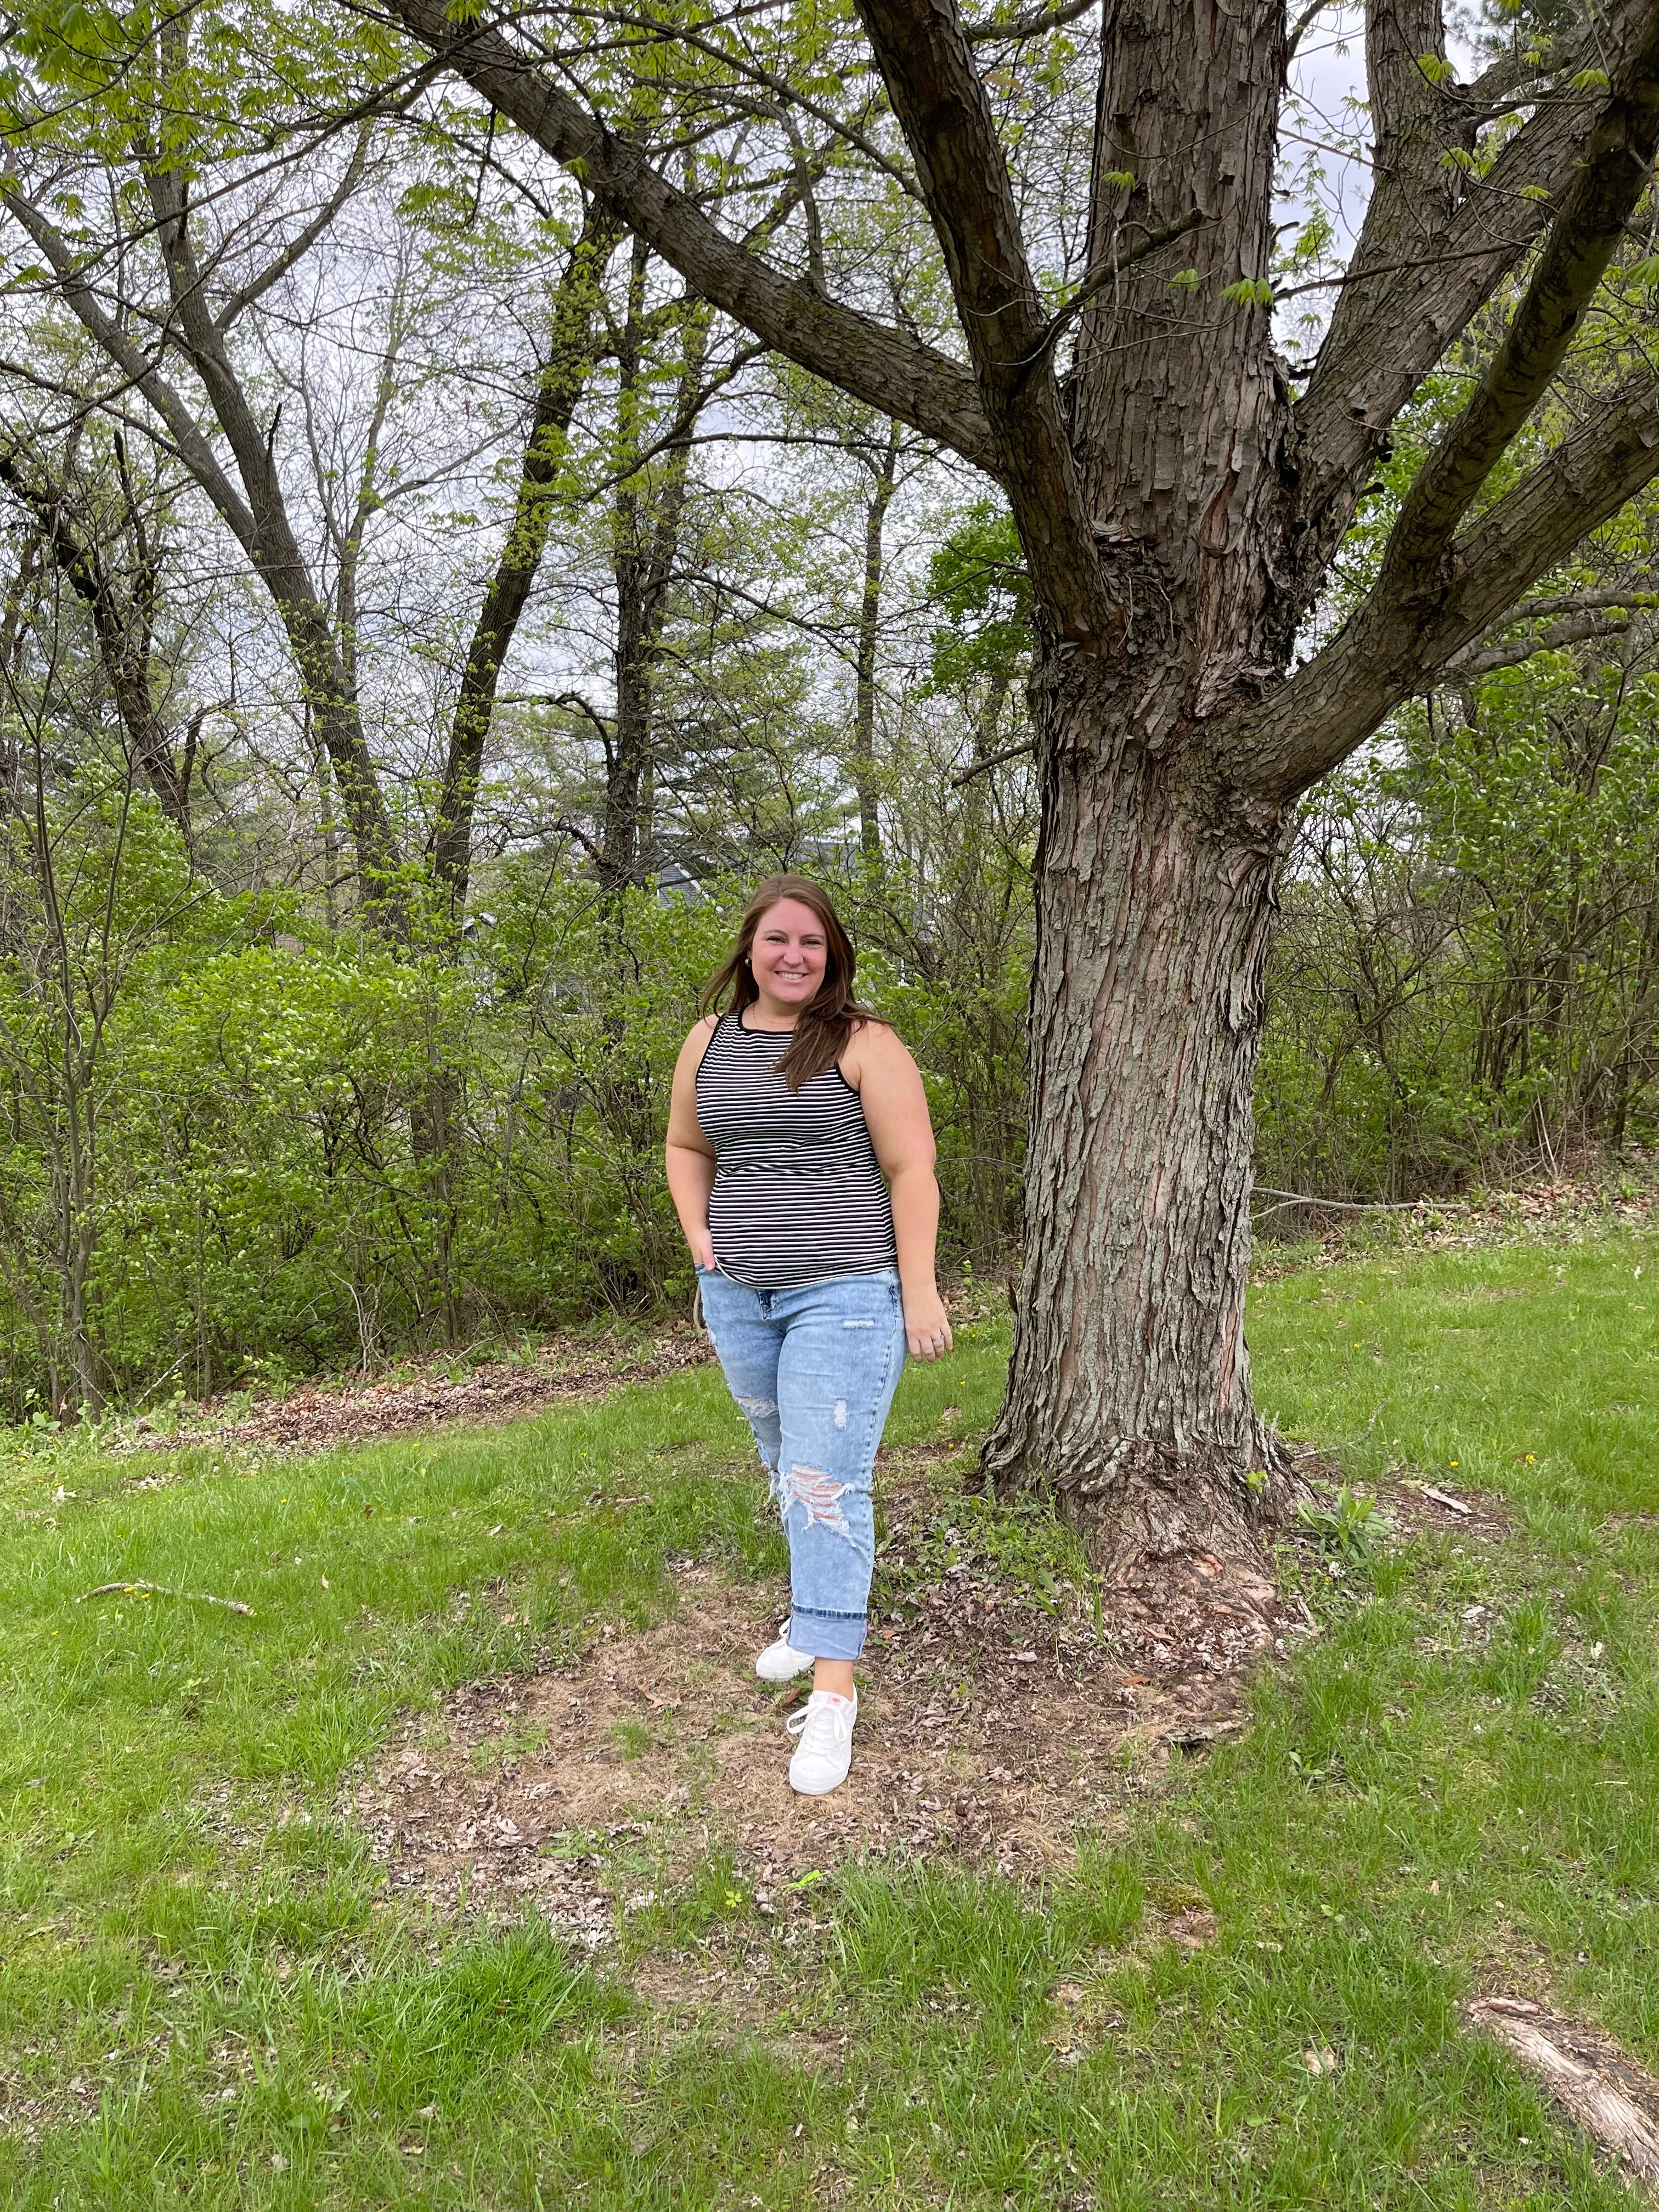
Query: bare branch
(1036, 25)
(297, 250)
(745, 66)
(134, 364)
(1303, 23)
(160, 1590)
(272, 545)
(991, 761)
(885, 367)
(1095, 280)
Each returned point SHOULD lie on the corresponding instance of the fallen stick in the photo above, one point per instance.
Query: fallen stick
(1445, 1497)
(1616, 2121)
(157, 1589)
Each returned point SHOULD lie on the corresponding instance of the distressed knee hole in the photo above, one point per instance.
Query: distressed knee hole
(819, 1497)
(757, 1408)
(841, 1412)
(857, 1324)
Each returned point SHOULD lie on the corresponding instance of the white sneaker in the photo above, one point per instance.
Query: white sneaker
(824, 1725)
(782, 1662)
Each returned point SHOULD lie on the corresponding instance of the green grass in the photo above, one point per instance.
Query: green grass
(208, 1996)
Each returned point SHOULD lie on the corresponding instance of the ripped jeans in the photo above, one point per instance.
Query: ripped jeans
(814, 1369)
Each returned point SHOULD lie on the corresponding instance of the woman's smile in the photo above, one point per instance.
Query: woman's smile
(788, 956)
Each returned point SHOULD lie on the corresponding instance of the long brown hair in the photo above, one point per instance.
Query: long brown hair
(825, 1028)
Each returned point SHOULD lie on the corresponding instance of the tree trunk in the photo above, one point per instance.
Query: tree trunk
(121, 620)
(1179, 506)
(569, 361)
(1129, 1396)
(645, 565)
(864, 721)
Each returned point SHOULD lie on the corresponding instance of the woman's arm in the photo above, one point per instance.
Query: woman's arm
(895, 1107)
(691, 1155)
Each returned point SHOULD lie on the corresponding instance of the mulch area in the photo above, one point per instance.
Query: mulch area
(318, 1417)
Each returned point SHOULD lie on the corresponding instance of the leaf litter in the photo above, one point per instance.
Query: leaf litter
(998, 1724)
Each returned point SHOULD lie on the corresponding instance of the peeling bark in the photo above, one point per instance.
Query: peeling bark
(1615, 2101)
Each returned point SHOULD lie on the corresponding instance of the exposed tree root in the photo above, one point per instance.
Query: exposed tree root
(1175, 1536)
(1613, 2098)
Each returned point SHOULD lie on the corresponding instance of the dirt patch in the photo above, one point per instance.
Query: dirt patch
(319, 1416)
(995, 1724)
(1423, 1509)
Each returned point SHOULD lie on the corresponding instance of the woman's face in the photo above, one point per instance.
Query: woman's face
(789, 954)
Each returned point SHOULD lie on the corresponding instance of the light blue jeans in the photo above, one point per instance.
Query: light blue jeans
(814, 1369)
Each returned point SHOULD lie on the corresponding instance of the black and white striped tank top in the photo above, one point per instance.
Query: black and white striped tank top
(797, 1193)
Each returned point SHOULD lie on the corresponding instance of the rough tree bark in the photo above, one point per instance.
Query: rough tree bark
(1179, 509)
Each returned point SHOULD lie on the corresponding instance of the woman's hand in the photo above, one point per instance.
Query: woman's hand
(702, 1250)
(926, 1325)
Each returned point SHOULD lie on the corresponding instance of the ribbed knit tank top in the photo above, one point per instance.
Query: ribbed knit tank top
(799, 1195)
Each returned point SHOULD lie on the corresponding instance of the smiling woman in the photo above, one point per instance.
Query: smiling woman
(801, 1161)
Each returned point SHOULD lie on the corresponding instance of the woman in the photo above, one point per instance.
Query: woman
(800, 1158)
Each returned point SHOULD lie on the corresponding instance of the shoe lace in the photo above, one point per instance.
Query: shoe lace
(820, 1726)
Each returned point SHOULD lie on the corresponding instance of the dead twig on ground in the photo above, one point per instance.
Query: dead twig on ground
(160, 1590)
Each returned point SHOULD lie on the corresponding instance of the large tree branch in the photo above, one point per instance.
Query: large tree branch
(1036, 25)
(924, 56)
(1600, 599)
(887, 368)
(1575, 629)
(1390, 649)
(1416, 279)
(303, 240)
(1612, 176)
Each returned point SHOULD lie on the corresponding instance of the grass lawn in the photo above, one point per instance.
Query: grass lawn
(210, 1994)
